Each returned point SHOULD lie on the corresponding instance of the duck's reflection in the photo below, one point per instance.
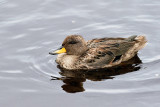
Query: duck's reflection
(73, 80)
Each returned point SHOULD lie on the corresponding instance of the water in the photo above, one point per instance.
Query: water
(29, 29)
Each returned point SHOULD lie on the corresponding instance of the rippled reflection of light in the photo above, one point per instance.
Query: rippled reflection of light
(109, 91)
(151, 59)
(19, 36)
(12, 71)
(7, 78)
(28, 48)
(36, 29)
(28, 90)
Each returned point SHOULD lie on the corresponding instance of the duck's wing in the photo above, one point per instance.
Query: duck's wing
(106, 51)
(103, 41)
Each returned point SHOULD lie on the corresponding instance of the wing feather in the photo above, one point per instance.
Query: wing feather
(105, 51)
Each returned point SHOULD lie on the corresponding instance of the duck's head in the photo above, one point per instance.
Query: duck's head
(72, 45)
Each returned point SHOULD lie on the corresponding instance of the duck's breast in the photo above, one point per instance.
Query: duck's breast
(67, 61)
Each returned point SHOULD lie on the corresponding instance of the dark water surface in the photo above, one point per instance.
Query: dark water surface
(29, 29)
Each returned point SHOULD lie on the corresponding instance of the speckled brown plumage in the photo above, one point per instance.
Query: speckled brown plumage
(98, 53)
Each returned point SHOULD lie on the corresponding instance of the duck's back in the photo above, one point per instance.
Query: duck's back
(107, 52)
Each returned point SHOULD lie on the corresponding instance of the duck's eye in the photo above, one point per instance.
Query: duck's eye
(72, 42)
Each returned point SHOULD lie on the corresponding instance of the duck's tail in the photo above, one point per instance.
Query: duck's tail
(131, 38)
(140, 41)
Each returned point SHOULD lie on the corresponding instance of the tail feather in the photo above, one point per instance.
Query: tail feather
(140, 42)
(131, 38)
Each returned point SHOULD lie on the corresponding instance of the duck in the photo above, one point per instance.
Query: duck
(78, 54)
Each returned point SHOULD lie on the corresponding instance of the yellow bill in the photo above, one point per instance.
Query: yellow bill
(61, 50)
